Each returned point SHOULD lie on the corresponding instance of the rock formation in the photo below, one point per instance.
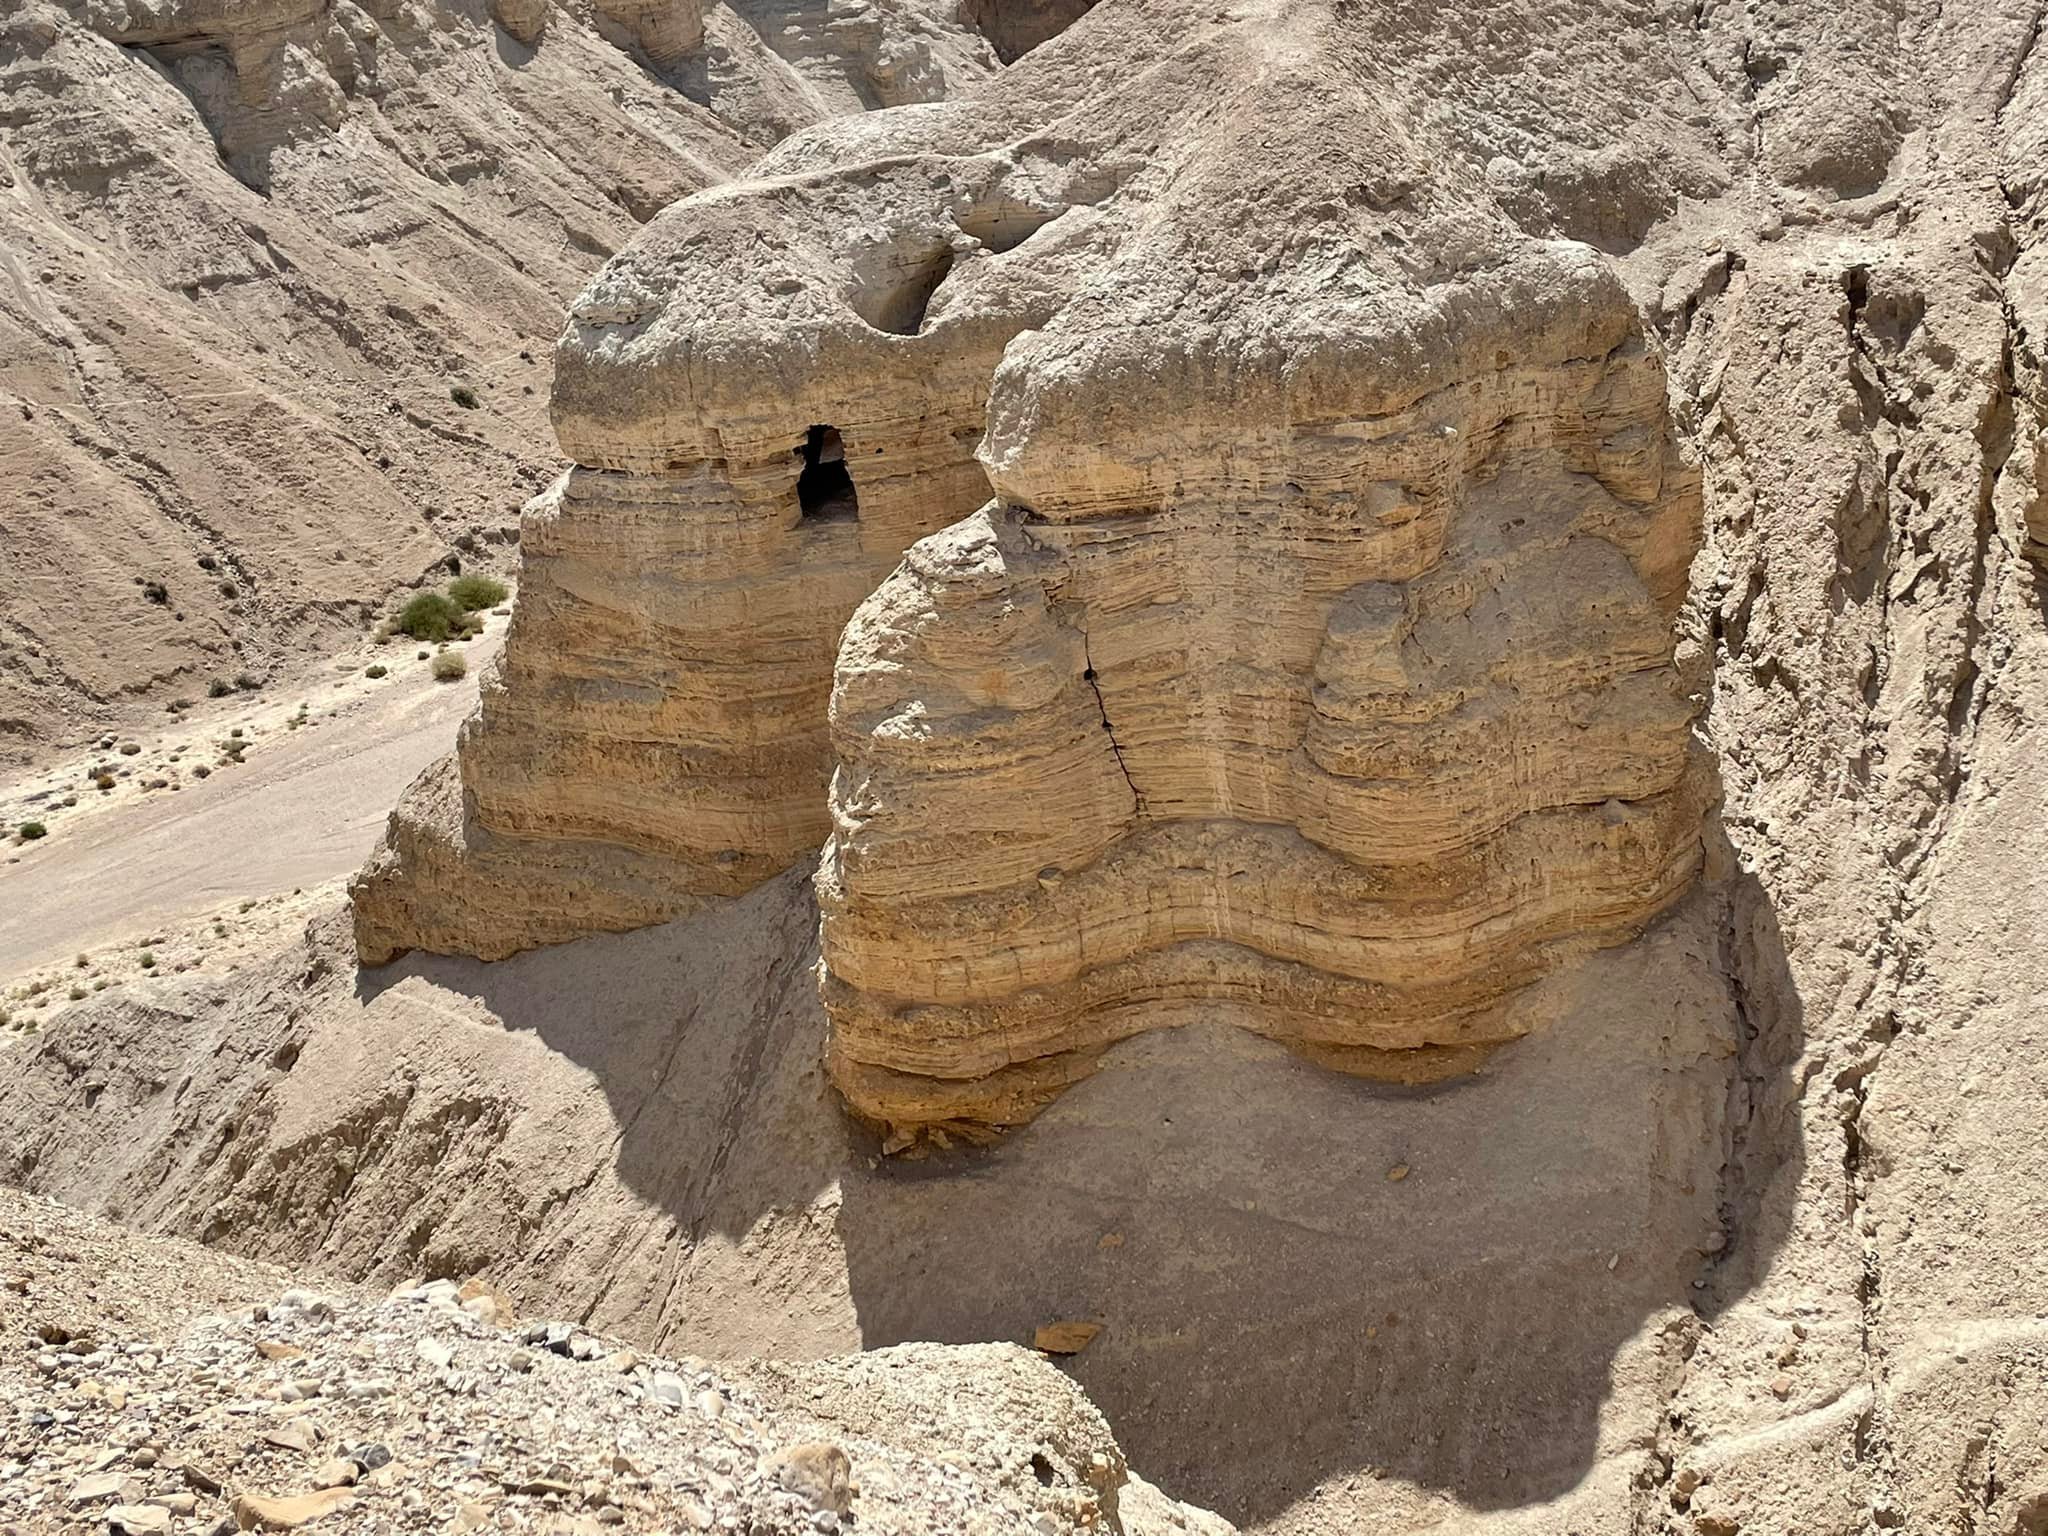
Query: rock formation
(657, 733)
(1335, 611)
(1742, 1234)
(1351, 728)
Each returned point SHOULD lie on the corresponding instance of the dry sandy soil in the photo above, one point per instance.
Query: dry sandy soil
(636, 1132)
(205, 872)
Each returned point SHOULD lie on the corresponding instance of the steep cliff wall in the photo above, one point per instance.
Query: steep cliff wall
(1349, 729)
(657, 735)
(767, 400)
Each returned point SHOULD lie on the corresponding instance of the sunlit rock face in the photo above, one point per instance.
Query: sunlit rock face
(1288, 619)
(1350, 706)
(766, 399)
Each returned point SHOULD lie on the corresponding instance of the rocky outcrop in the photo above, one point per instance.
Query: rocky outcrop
(1316, 658)
(388, 1398)
(1350, 729)
(262, 76)
(1744, 1233)
(755, 446)
(665, 31)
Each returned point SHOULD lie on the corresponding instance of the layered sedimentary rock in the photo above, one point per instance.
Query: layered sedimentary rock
(1749, 1237)
(1238, 499)
(666, 31)
(1349, 727)
(657, 734)
(1316, 658)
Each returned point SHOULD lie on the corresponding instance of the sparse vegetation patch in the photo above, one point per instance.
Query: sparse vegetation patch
(430, 616)
(473, 593)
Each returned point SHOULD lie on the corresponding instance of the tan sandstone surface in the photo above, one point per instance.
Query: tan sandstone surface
(1498, 545)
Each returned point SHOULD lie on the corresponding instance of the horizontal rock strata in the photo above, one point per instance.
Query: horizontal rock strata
(755, 451)
(1355, 729)
(1314, 661)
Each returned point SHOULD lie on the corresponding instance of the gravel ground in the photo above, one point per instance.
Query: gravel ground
(150, 1385)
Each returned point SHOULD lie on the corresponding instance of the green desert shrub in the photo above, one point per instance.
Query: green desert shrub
(448, 666)
(31, 830)
(430, 616)
(471, 593)
(463, 396)
(379, 670)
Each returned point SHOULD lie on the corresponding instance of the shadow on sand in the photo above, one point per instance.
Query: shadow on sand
(1284, 1307)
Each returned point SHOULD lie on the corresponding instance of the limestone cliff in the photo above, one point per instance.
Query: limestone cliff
(767, 400)
(1349, 729)
(1318, 656)
(1747, 1237)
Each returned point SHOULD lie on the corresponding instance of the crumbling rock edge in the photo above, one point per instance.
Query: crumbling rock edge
(264, 1399)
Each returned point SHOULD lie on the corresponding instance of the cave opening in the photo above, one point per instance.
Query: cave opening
(824, 490)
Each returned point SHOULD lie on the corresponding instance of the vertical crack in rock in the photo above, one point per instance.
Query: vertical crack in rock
(1088, 675)
(2010, 87)
(1748, 1076)
(1415, 666)
(1971, 689)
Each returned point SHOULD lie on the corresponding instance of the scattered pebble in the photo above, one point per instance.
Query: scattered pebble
(176, 1391)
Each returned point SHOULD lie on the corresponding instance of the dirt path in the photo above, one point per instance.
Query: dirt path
(302, 810)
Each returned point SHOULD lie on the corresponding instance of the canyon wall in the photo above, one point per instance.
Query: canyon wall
(250, 253)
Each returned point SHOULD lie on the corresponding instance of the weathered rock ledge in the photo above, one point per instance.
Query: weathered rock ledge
(1352, 727)
(1314, 660)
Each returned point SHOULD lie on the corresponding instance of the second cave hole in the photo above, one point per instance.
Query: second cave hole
(824, 490)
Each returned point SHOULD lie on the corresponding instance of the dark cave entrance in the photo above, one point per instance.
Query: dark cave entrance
(824, 491)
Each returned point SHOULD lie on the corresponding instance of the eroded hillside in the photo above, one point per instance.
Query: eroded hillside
(278, 283)
(1499, 548)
